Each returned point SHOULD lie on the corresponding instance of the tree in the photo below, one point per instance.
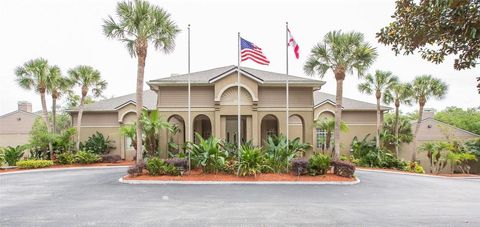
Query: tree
(73, 100)
(88, 79)
(328, 125)
(424, 88)
(396, 130)
(401, 93)
(140, 23)
(468, 119)
(152, 123)
(342, 53)
(379, 84)
(57, 85)
(34, 75)
(436, 29)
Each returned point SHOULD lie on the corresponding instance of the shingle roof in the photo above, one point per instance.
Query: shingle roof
(348, 104)
(149, 101)
(207, 75)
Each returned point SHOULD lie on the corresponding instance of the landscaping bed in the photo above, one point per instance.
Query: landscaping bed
(122, 163)
(429, 174)
(198, 175)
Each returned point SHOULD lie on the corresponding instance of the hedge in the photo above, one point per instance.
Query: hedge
(33, 164)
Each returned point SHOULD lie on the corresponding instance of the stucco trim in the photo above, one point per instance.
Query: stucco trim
(318, 115)
(184, 109)
(123, 115)
(218, 77)
(254, 98)
(101, 126)
(276, 109)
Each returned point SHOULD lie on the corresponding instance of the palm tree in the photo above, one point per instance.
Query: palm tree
(424, 88)
(328, 125)
(57, 85)
(401, 93)
(140, 23)
(34, 75)
(88, 79)
(152, 123)
(342, 53)
(379, 83)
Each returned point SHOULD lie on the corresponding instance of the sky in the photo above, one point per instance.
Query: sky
(69, 33)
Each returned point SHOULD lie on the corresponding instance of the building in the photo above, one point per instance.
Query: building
(16, 126)
(432, 130)
(214, 109)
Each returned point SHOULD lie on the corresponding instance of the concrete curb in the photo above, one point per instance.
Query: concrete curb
(58, 169)
(414, 174)
(123, 181)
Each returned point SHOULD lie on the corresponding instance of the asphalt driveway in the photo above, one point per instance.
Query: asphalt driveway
(94, 197)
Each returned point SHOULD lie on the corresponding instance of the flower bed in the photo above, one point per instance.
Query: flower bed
(198, 175)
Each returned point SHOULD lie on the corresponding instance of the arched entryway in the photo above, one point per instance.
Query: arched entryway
(296, 127)
(203, 126)
(269, 127)
(176, 137)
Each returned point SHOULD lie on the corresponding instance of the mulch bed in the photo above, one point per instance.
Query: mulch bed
(197, 175)
(122, 163)
(431, 174)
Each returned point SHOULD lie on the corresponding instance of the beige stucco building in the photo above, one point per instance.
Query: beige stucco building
(15, 126)
(214, 109)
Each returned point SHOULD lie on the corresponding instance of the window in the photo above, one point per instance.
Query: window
(321, 136)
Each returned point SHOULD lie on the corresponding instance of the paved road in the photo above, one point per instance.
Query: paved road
(94, 197)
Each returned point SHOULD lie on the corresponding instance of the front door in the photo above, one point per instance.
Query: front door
(231, 129)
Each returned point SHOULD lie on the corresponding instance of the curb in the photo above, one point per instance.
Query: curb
(58, 169)
(414, 174)
(149, 182)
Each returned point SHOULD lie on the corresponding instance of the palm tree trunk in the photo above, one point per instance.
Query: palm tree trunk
(417, 127)
(47, 122)
(327, 140)
(338, 115)
(79, 120)
(377, 141)
(141, 55)
(54, 114)
(397, 115)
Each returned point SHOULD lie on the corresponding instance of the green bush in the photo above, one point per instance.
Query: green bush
(414, 167)
(157, 166)
(278, 156)
(86, 157)
(65, 158)
(251, 161)
(365, 153)
(33, 164)
(209, 154)
(318, 164)
(13, 154)
(97, 143)
(2, 156)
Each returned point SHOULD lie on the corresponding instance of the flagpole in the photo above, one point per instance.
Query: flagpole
(238, 99)
(286, 86)
(189, 103)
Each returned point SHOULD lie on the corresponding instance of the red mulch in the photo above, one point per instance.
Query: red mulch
(122, 163)
(441, 174)
(197, 175)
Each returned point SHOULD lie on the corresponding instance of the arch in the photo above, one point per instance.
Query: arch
(229, 97)
(122, 118)
(268, 127)
(296, 127)
(252, 94)
(325, 112)
(202, 125)
(176, 139)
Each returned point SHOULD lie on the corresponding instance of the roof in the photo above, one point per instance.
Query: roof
(113, 104)
(211, 75)
(413, 122)
(320, 98)
(36, 114)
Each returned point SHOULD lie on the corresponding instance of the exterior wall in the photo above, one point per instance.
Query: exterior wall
(276, 97)
(431, 130)
(201, 96)
(15, 128)
(231, 80)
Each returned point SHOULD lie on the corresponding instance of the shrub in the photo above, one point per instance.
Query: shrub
(300, 166)
(65, 158)
(97, 143)
(135, 170)
(365, 153)
(414, 167)
(112, 158)
(251, 161)
(157, 166)
(318, 164)
(86, 157)
(208, 153)
(278, 156)
(343, 169)
(33, 164)
(2, 156)
(13, 154)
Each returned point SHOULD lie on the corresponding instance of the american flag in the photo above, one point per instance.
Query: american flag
(252, 52)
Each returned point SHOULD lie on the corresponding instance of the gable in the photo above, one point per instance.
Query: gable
(431, 129)
(230, 80)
